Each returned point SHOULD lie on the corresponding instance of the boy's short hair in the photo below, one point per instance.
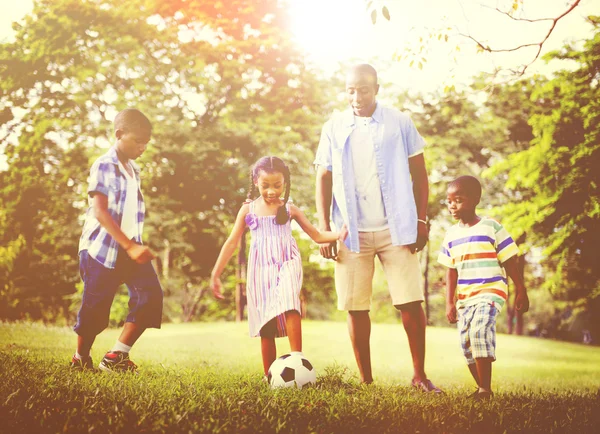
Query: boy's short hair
(469, 184)
(131, 118)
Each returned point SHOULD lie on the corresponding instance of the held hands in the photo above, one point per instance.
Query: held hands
(522, 301)
(451, 313)
(140, 254)
(216, 285)
(422, 237)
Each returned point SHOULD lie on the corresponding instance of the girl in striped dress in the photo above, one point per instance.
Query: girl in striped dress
(274, 264)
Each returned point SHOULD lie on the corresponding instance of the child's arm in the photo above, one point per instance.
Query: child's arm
(451, 280)
(521, 298)
(227, 250)
(140, 254)
(313, 232)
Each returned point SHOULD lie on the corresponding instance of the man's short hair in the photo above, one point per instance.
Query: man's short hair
(131, 118)
(365, 68)
(468, 184)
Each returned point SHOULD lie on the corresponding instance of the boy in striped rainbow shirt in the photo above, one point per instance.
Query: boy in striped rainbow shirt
(479, 254)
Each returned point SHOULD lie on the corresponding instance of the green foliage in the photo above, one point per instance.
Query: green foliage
(223, 86)
(557, 177)
(193, 381)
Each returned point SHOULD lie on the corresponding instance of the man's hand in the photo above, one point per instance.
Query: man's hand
(522, 301)
(215, 285)
(451, 313)
(140, 254)
(329, 250)
(422, 237)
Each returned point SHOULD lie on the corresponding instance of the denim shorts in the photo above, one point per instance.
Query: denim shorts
(477, 327)
(100, 285)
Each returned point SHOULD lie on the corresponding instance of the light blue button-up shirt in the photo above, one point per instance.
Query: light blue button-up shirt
(395, 139)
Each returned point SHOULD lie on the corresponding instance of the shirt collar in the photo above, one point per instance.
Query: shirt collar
(112, 154)
(377, 115)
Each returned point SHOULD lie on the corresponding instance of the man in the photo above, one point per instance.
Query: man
(365, 161)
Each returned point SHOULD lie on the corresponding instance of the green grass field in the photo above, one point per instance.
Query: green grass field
(206, 377)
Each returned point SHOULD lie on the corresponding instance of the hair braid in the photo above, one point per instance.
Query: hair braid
(251, 187)
(282, 214)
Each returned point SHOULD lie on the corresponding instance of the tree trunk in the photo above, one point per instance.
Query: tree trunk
(165, 259)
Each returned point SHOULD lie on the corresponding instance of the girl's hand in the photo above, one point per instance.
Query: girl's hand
(343, 233)
(215, 285)
(451, 313)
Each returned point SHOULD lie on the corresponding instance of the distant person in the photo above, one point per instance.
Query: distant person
(479, 254)
(111, 250)
(371, 175)
(274, 264)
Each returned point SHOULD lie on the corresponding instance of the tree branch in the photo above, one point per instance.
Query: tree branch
(533, 44)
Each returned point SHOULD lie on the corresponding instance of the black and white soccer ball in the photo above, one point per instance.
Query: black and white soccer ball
(291, 370)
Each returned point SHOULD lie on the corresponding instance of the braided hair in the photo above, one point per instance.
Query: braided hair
(272, 165)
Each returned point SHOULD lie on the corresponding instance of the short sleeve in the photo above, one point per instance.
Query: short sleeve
(99, 176)
(323, 156)
(444, 257)
(505, 246)
(412, 139)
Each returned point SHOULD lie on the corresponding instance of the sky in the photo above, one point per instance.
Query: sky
(334, 31)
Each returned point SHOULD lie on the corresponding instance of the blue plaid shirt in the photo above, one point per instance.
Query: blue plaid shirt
(106, 178)
(395, 139)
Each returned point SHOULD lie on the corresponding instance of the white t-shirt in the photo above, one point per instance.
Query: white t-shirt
(371, 210)
(129, 221)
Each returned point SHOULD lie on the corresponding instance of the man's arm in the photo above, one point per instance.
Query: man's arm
(323, 198)
(418, 172)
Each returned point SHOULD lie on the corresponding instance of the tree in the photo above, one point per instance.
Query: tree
(558, 175)
(223, 86)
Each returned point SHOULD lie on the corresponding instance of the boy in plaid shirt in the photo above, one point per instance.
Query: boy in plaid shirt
(479, 254)
(111, 250)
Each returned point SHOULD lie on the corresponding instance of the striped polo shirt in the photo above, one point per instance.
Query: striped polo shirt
(476, 253)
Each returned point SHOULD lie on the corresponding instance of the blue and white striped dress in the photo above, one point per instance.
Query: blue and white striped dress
(274, 273)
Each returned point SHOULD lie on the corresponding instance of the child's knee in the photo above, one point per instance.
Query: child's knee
(269, 330)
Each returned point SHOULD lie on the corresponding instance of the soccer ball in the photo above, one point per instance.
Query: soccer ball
(291, 370)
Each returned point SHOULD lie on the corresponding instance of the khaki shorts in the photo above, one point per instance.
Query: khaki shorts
(354, 272)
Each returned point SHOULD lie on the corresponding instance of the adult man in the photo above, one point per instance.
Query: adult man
(365, 161)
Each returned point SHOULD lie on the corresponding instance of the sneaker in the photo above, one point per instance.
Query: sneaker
(84, 364)
(473, 395)
(483, 396)
(117, 361)
(426, 386)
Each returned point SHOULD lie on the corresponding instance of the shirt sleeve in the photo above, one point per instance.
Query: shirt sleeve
(323, 156)
(505, 246)
(444, 257)
(413, 141)
(98, 180)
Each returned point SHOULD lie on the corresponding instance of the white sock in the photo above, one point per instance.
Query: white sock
(78, 356)
(296, 353)
(120, 346)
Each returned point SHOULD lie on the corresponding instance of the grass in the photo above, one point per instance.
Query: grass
(207, 378)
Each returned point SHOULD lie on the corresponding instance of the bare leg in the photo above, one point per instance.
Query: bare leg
(131, 333)
(293, 324)
(484, 372)
(269, 352)
(413, 319)
(359, 327)
(84, 345)
(473, 371)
